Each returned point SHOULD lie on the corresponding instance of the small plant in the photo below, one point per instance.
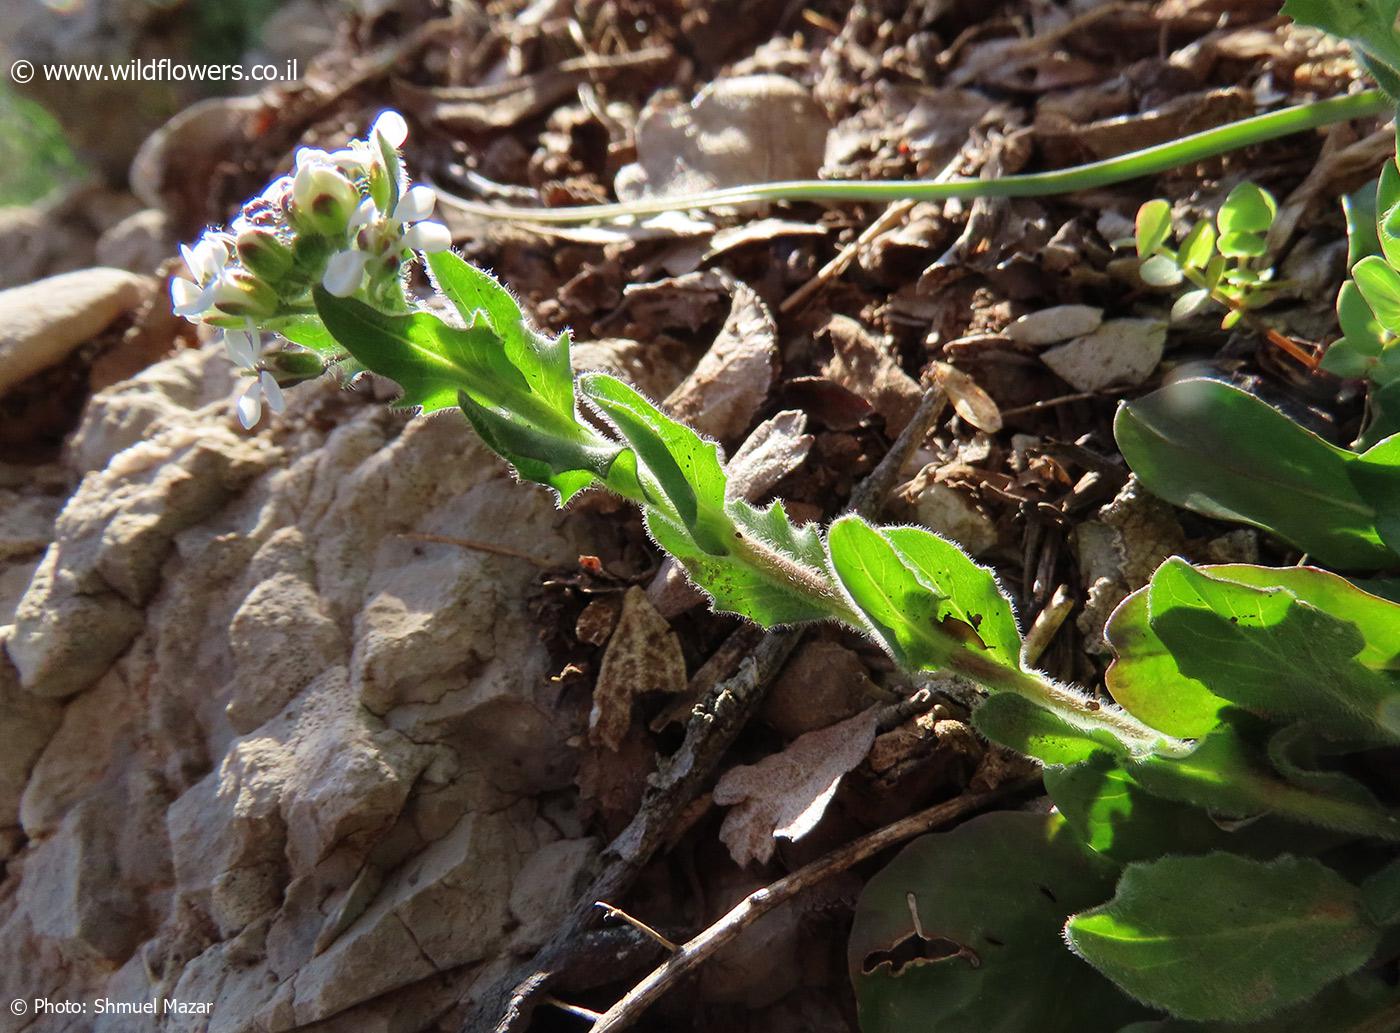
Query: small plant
(1220, 259)
(1368, 305)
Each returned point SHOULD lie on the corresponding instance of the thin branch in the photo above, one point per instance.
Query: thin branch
(692, 953)
(637, 924)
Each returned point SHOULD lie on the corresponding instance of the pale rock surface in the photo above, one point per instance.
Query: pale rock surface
(263, 751)
(40, 323)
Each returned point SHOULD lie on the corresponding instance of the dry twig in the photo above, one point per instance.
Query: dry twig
(760, 902)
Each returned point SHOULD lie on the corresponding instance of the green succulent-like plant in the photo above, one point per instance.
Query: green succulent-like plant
(1220, 259)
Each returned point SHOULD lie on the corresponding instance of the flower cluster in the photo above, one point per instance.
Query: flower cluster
(345, 220)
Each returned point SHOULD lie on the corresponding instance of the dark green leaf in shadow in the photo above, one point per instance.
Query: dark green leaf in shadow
(1218, 450)
(985, 954)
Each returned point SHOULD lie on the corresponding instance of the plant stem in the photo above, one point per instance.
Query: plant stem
(1145, 162)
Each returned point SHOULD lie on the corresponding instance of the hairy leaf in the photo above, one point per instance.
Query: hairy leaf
(1224, 937)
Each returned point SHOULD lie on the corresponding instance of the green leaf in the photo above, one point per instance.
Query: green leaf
(736, 585)
(1027, 728)
(1146, 681)
(1199, 246)
(1384, 420)
(969, 593)
(438, 366)
(1160, 271)
(1376, 472)
(1368, 25)
(1360, 1003)
(1189, 304)
(1270, 653)
(681, 470)
(1226, 776)
(1381, 894)
(1222, 452)
(1224, 937)
(1242, 245)
(1247, 209)
(1299, 754)
(1387, 226)
(542, 361)
(1357, 353)
(1116, 816)
(309, 332)
(1359, 208)
(1154, 226)
(1380, 285)
(991, 897)
(897, 608)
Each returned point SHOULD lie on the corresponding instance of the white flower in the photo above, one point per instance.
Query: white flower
(344, 272)
(243, 346)
(206, 262)
(250, 402)
(415, 205)
(428, 236)
(365, 213)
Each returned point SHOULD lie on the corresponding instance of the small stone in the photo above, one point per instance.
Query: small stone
(41, 323)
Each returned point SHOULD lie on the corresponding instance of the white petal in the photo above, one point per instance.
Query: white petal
(344, 272)
(192, 262)
(196, 304)
(210, 256)
(240, 347)
(415, 205)
(272, 391)
(428, 236)
(365, 213)
(392, 127)
(250, 405)
(183, 292)
(307, 156)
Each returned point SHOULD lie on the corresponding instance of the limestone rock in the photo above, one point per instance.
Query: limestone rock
(265, 749)
(40, 323)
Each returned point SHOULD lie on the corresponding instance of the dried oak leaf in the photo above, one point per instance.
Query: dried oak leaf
(864, 366)
(787, 794)
(643, 656)
(747, 129)
(731, 381)
(969, 400)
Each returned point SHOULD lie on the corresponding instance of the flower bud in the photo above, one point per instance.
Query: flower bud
(290, 367)
(323, 199)
(240, 293)
(264, 254)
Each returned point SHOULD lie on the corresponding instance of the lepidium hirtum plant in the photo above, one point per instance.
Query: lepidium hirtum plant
(345, 222)
(1187, 860)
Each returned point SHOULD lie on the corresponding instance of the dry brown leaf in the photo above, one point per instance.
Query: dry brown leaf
(1053, 325)
(969, 401)
(1122, 352)
(749, 129)
(787, 794)
(863, 365)
(724, 391)
(643, 656)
